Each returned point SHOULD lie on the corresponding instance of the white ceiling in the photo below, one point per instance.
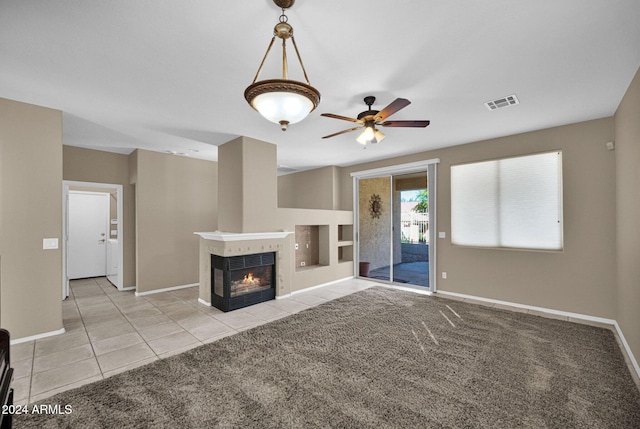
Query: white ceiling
(169, 75)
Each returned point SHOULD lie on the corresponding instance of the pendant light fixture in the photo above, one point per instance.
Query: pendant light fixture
(282, 101)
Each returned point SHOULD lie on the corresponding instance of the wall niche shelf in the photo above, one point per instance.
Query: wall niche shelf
(312, 246)
(345, 243)
(345, 233)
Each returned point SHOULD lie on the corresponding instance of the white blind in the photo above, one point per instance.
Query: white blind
(512, 202)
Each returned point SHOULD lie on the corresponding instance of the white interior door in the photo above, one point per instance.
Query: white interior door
(88, 214)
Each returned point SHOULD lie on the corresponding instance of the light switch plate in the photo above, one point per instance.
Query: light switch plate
(49, 243)
(442, 234)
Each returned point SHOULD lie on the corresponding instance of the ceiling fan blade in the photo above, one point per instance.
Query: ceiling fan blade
(399, 103)
(415, 124)
(344, 118)
(341, 132)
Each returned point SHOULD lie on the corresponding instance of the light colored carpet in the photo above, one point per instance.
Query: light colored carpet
(379, 358)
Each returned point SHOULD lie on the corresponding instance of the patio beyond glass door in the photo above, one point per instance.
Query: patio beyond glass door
(374, 227)
(411, 229)
(393, 228)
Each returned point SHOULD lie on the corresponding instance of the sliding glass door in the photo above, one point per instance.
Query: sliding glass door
(411, 229)
(395, 220)
(374, 227)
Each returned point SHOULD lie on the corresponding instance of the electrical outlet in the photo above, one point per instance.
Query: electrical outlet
(296, 246)
(303, 263)
(444, 274)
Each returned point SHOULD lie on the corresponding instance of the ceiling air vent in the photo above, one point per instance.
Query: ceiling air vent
(507, 101)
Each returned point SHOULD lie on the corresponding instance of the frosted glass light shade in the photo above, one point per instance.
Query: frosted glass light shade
(377, 136)
(280, 107)
(282, 101)
(369, 135)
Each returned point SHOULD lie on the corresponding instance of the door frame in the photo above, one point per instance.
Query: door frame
(430, 166)
(66, 185)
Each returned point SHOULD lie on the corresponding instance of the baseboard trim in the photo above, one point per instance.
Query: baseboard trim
(38, 337)
(167, 289)
(614, 324)
(307, 289)
(532, 307)
(128, 288)
(632, 358)
(202, 301)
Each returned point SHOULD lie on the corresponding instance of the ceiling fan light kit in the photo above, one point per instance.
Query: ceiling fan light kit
(370, 135)
(370, 119)
(282, 101)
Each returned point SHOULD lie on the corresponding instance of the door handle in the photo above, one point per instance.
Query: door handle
(102, 241)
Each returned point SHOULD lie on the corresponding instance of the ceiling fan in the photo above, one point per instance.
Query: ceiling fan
(369, 119)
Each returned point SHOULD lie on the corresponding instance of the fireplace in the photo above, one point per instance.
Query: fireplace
(240, 281)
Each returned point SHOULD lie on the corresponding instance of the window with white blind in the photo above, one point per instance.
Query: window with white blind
(511, 202)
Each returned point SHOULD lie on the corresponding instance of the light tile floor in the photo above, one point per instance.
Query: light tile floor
(108, 332)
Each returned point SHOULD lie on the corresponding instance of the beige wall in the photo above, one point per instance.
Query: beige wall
(579, 279)
(247, 186)
(627, 153)
(313, 189)
(30, 210)
(175, 197)
(86, 165)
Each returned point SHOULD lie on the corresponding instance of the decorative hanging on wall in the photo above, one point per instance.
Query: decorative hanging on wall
(375, 206)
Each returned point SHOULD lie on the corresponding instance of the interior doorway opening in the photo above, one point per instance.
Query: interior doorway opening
(82, 218)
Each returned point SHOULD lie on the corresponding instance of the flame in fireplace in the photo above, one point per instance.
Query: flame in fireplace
(249, 280)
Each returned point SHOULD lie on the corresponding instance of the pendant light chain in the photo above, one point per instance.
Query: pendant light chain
(284, 19)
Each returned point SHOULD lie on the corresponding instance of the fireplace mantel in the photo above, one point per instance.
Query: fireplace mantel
(241, 236)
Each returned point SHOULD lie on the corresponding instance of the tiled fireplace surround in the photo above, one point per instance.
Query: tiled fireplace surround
(249, 220)
(237, 244)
